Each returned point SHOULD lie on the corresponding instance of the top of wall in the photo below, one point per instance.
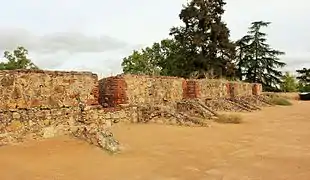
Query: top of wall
(142, 76)
(58, 73)
(172, 77)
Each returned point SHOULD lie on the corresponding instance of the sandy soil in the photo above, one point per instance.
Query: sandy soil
(273, 144)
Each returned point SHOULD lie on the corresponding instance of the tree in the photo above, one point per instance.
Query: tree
(257, 61)
(206, 38)
(159, 59)
(17, 60)
(304, 79)
(242, 56)
(304, 76)
(289, 83)
(139, 63)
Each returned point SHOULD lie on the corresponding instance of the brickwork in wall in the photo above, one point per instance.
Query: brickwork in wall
(257, 89)
(135, 89)
(37, 104)
(191, 89)
(140, 90)
(40, 104)
(232, 90)
(112, 91)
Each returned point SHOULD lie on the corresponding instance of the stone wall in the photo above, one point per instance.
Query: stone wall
(26, 124)
(40, 104)
(132, 89)
(49, 89)
(213, 88)
(140, 90)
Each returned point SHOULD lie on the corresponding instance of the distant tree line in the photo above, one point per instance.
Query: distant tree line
(18, 59)
(202, 48)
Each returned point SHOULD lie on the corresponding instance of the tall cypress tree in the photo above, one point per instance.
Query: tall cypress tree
(257, 60)
(206, 38)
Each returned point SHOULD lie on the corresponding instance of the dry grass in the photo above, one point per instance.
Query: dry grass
(290, 96)
(229, 119)
(279, 100)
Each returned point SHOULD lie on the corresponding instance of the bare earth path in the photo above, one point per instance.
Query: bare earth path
(273, 144)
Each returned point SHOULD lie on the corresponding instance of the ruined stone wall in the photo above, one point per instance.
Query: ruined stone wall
(49, 89)
(27, 124)
(140, 90)
(39, 104)
(131, 89)
(213, 88)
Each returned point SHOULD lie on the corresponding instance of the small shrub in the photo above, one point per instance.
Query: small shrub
(229, 119)
(280, 101)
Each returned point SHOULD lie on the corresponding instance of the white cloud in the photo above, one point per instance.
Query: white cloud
(71, 42)
(69, 50)
(67, 37)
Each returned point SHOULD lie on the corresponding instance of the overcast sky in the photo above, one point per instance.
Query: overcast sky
(94, 35)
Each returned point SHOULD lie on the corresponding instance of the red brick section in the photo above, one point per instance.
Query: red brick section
(256, 89)
(113, 91)
(232, 90)
(191, 89)
(228, 89)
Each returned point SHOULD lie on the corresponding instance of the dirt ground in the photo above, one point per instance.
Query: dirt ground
(273, 144)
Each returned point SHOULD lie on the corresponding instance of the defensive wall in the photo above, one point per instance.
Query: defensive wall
(39, 104)
(133, 89)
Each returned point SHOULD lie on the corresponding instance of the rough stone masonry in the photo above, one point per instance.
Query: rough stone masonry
(39, 104)
(133, 89)
(164, 97)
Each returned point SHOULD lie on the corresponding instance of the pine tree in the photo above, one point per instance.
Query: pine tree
(304, 76)
(206, 38)
(258, 62)
(304, 79)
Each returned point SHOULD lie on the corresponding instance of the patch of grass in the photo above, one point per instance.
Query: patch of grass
(280, 101)
(229, 119)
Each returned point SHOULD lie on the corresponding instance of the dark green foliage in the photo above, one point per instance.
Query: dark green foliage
(17, 60)
(205, 38)
(161, 59)
(257, 61)
(304, 80)
(200, 47)
(304, 75)
(303, 88)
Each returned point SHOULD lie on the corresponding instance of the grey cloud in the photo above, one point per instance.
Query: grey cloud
(295, 62)
(72, 42)
(49, 60)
